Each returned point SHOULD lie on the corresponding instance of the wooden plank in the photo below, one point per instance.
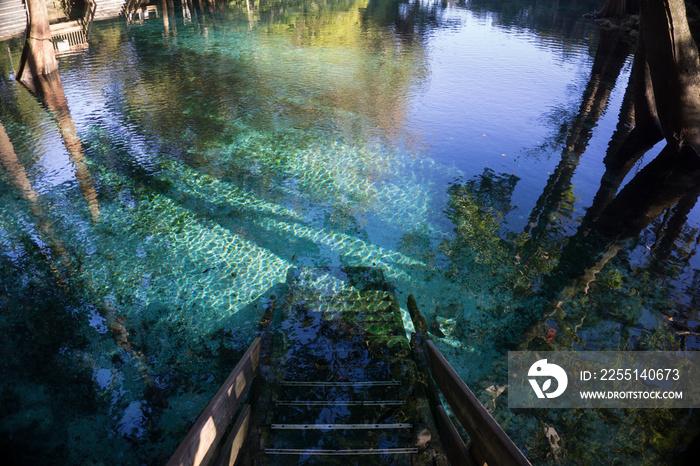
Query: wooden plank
(497, 447)
(418, 340)
(478, 454)
(201, 441)
(452, 442)
(364, 426)
(233, 445)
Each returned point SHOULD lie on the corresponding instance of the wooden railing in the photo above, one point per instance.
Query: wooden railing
(204, 439)
(489, 443)
(230, 409)
(205, 443)
(130, 8)
(89, 17)
(69, 35)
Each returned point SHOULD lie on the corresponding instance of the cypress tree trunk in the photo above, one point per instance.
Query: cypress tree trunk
(38, 57)
(674, 67)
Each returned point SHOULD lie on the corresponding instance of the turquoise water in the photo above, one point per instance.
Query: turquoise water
(454, 145)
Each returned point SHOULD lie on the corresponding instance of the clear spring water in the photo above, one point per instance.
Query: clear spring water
(218, 150)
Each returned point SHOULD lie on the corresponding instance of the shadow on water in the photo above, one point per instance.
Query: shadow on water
(45, 321)
(58, 319)
(592, 290)
(130, 374)
(613, 50)
(137, 333)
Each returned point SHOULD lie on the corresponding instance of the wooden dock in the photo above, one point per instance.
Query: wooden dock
(64, 28)
(13, 18)
(332, 378)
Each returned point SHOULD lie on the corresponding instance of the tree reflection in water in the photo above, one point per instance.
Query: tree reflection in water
(212, 172)
(593, 290)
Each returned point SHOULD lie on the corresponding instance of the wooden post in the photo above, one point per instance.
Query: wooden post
(166, 16)
(452, 442)
(454, 446)
(416, 317)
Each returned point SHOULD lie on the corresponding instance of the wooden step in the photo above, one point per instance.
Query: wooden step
(341, 437)
(336, 403)
(341, 457)
(333, 391)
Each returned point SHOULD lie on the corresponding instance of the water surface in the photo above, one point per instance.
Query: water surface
(458, 146)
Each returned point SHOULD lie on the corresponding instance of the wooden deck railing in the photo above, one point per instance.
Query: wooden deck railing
(89, 17)
(74, 34)
(203, 444)
(489, 443)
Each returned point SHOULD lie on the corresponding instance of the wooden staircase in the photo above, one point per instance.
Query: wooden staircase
(107, 9)
(340, 382)
(68, 35)
(73, 35)
(332, 380)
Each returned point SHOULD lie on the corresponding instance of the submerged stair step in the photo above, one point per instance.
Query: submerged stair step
(344, 392)
(362, 337)
(399, 425)
(323, 347)
(340, 436)
(341, 457)
(385, 309)
(332, 373)
(340, 403)
(357, 451)
(337, 308)
(342, 389)
(359, 383)
(305, 368)
(368, 318)
(368, 345)
(343, 411)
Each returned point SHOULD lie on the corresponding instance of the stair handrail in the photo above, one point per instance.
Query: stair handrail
(489, 443)
(89, 17)
(205, 441)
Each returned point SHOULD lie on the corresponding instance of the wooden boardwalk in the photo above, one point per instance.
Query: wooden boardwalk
(332, 379)
(13, 18)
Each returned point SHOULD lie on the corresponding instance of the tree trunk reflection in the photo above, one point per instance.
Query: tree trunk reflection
(610, 58)
(50, 88)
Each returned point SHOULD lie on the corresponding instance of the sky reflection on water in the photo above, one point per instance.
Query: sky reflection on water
(421, 137)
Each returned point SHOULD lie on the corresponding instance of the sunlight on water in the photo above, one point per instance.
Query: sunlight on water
(457, 147)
